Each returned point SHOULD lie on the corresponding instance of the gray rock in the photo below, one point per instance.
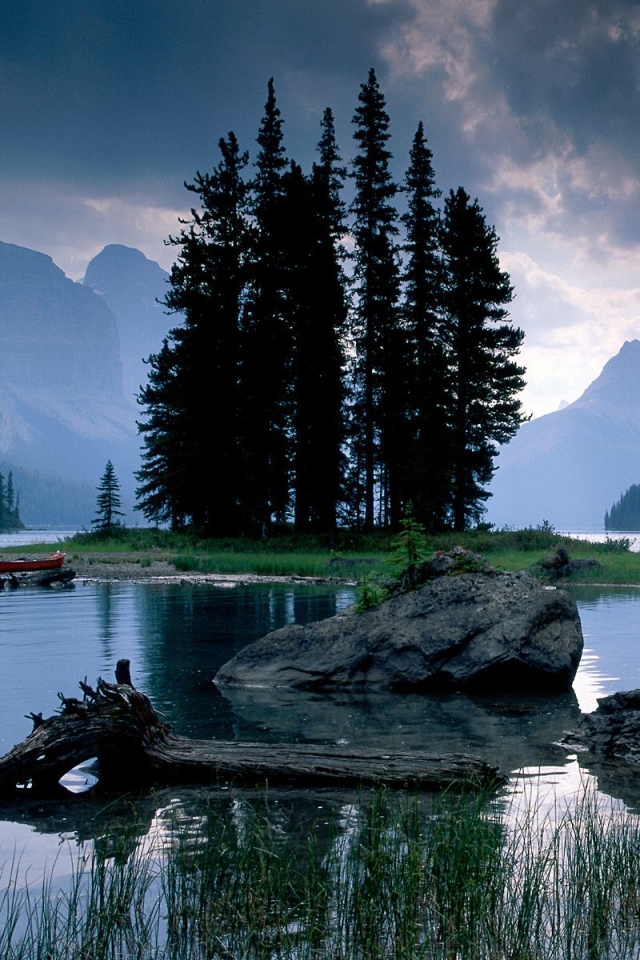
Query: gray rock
(612, 732)
(472, 631)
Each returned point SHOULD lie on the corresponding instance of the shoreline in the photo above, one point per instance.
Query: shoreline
(91, 569)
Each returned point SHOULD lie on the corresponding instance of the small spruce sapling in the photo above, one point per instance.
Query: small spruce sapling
(410, 551)
(108, 502)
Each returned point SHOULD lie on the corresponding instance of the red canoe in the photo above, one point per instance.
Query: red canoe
(21, 564)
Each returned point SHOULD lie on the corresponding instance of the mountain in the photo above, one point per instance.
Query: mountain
(132, 285)
(62, 409)
(570, 466)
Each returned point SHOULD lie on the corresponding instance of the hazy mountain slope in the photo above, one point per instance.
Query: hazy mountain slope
(132, 285)
(62, 410)
(570, 466)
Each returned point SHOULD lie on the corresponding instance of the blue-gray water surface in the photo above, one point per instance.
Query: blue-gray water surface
(177, 636)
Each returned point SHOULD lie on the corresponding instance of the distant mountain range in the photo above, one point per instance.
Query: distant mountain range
(570, 466)
(132, 287)
(71, 362)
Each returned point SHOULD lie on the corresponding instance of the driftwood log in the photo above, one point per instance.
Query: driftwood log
(118, 725)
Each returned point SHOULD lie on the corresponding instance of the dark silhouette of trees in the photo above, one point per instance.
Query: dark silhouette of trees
(378, 371)
(192, 395)
(108, 502)
(481, 344)
(316, 300)
(266, 355)
(9, 504)
(426, 464)
(625, 512)
(304, 383)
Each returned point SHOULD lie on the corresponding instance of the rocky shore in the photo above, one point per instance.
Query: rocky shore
(142, 568)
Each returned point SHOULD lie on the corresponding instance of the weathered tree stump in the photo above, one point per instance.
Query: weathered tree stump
(118, 725)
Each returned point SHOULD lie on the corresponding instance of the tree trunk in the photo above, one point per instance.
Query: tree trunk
(118, 725)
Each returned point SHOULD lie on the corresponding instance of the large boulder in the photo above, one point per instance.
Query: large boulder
(471, 631)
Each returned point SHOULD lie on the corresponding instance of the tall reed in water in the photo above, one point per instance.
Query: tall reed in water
(397, 878)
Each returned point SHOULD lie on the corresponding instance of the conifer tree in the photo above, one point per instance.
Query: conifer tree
(10, 493)
(9, 504)
(481, 346)
(329, 176)
(163, 494)
(317, 311)
(380, 362)
(197, 371)
(266, 373)
(625, 513)
(426, 477)
(108, 502)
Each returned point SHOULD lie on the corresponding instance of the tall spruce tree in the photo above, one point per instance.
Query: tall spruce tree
(481, 346)
(317, 314)
(196, 373)
(266, 341)
(108, 502)
(329, 176)
(163, 495)
(378, 404)
(426, 475)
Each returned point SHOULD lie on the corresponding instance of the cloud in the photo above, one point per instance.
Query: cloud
(571, 330)
(37, 209)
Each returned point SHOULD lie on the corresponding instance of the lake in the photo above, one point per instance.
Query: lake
(177, 636)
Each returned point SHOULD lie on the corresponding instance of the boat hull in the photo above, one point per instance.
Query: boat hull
(22, 564)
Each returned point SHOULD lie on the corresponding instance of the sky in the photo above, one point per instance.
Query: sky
(108, 106)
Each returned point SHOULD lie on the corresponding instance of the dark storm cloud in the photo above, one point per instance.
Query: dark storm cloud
(104, 90)
(570, 75)
(533, 106)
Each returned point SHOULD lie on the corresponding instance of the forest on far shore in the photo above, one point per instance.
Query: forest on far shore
(9, 505)
(624, 515)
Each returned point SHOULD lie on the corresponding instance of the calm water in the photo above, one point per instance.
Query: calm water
(176, 638)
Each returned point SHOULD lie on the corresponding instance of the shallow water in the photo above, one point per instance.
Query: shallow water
(176, 638)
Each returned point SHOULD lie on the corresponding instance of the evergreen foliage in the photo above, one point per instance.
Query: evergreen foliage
(482, 377)
(108, 502)
(9, 505)
(625, 513)
(426, 464)
(295, 389)
(378, 374)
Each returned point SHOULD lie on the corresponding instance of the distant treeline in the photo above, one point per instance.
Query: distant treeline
(625, 514)
(9, 504)
(332, 363)
(43, 500)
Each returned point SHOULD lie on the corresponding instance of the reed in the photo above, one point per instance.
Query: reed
(399, 879)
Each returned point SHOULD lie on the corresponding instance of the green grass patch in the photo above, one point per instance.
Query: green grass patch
(318, 565)
(349, 555)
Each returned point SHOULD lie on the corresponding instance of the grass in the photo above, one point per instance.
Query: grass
(351, 555)
(400, 879)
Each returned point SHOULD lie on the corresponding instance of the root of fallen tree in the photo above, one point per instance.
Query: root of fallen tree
(118, 725)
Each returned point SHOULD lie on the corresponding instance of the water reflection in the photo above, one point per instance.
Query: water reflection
(177, 637)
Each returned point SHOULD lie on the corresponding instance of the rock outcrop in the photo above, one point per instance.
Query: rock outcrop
(612, 732)
(474, 631)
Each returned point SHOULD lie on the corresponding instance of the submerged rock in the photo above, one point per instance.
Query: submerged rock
(473, 631)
